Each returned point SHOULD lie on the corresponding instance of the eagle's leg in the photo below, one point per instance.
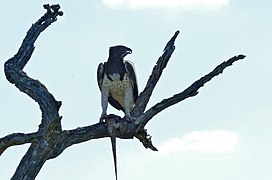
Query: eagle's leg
(104, 102)
(128, 100)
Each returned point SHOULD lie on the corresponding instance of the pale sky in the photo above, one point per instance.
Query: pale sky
(224, 133)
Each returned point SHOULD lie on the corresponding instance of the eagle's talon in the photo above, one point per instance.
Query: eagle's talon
(102, 117)
(130, 118)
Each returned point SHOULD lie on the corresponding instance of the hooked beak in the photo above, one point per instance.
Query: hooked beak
(129, 51)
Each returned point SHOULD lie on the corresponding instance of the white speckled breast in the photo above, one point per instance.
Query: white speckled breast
(118, 89)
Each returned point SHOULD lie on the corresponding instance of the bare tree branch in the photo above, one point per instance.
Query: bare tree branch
(34, 88)
(188, 92)
(50, 140)
(16, 139)
(145, 95)
(33, 160)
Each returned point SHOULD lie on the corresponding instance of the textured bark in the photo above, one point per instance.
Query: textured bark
(50, 140)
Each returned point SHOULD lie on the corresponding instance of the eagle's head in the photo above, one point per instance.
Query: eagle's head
(119, 51)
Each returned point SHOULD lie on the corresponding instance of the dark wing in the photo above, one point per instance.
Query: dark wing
(130, 69)
(100, 74)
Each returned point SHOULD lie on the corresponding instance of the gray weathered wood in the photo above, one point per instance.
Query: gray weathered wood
(50, 140)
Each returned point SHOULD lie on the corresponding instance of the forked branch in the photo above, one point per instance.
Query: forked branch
(50, 140)
(188, 92)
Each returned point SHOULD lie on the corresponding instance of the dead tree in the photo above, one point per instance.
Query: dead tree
(51, 140)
